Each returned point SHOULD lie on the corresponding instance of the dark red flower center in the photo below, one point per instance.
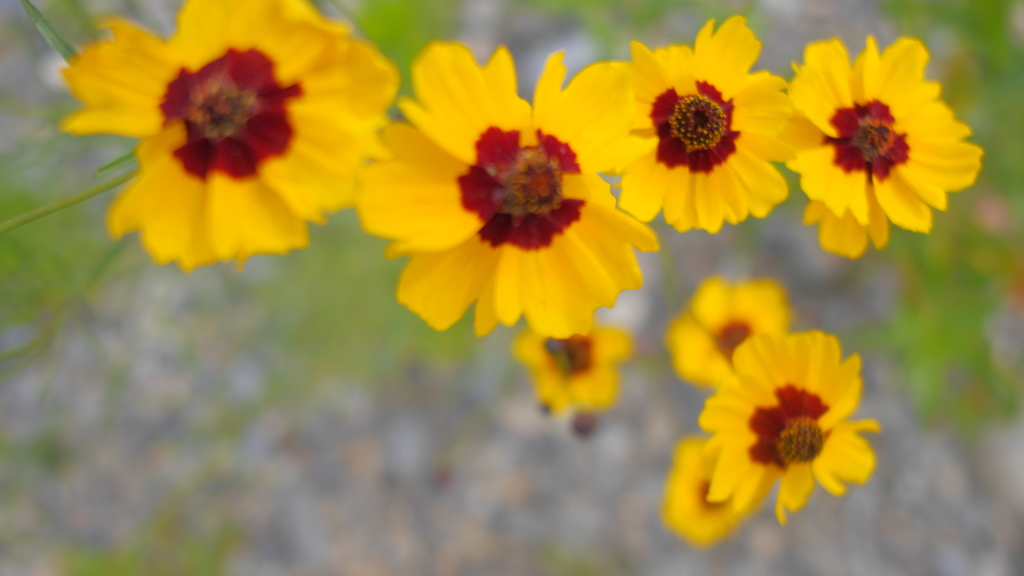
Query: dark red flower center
(731, 336)
(788, 433)
(234, 114)
(694, 130)
(517, 191)
(867, 141)
(572, 355)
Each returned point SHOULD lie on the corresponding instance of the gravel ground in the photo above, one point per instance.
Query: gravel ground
(151, 421)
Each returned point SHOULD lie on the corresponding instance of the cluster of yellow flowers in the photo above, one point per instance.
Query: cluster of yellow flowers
(259, 116)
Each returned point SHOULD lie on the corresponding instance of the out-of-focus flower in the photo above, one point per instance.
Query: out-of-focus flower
(784, 414)
(254, 118)
(718, 318)
(579, 372)
(686, 509)
(713, 128)
(501, 205)
(874, 143)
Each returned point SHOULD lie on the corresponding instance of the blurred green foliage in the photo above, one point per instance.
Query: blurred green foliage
(959, 276)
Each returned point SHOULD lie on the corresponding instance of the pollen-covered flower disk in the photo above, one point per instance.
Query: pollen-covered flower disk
(720, 317)
(712, 128)
(254, 118)
(500, 204)
(579, 372)
(874, 143)
(784, 415)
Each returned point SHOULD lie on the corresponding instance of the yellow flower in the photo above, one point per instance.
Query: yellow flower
(253, 117)
(578, 372)
(685, 509)
(712, 126)
(501, 204)
(874, 143)
(718, 318)
(784, 414)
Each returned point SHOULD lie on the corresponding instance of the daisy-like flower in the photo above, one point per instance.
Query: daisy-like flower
(253, 117)
(579, 372)
(784, 414)
(874, 143)
(718, 318)
(501, 204)
(713, 127)
(685, 508)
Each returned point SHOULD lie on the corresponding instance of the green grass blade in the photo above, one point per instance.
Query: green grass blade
(62, 204)
(53, 38)
(117, 164)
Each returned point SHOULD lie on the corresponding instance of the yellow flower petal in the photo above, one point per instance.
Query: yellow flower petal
(846, 456)
(245, 217)
(121, 83)
(457, 100)
(644, 187)
(902, 204)
(724, 57)
(822, 85)
(417, 199)
(593, 114)
(822, 180)
(439, 287)
(796, 486)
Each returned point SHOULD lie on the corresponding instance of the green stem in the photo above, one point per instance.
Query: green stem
(62, 204)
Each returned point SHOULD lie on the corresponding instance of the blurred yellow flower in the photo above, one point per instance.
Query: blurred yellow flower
(502, 205)
(783, 414)
(874, 143)
(254, 117)
(578, 372)
(718, 318)
(712, 127)
(685, 509)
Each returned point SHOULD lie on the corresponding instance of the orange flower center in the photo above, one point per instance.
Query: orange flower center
(698, 122)
(874, 138)
(731, 336)
(234, 112)
(532, 186)
(867, 141)
(572, 355)
(800, 441)
(219, 108)
(788, 432)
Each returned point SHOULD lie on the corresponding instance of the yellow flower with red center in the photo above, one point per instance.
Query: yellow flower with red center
(578, 372)
(253, 117)
(685, 508)
(874, 143)
(713, 127)
(718, 318)
(500, 204)
(784, 415)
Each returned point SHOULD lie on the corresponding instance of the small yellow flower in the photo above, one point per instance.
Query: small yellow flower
(685, 509)
(578, 372)
(874, 143)
(718, 318)
(784, 414)
(501, 204)
(253, 117)
(713, 127)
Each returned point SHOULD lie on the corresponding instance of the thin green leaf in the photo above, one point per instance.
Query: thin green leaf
(117, 164)
(53, 38)
(62, 204)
